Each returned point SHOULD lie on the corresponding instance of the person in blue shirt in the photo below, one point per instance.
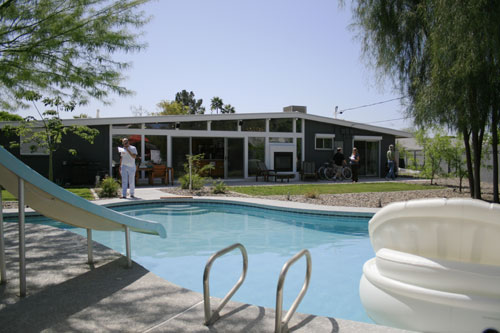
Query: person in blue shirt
(390, 163)
(354, 162)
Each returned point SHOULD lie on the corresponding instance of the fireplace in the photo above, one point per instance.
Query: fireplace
(283, 161)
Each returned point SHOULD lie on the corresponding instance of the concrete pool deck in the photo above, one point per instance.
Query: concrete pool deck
(67, 294)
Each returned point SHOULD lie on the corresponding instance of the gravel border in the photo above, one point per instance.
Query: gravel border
(367, 199)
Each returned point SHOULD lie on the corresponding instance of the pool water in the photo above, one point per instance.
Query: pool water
(339, 246)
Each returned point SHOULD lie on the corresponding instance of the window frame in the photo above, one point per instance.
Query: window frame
(324, 136)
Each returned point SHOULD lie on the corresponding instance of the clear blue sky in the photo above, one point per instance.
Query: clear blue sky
(258, 56)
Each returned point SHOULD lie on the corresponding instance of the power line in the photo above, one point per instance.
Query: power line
(384, 121)
(367, 105)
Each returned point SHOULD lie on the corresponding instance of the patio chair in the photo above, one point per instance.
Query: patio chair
(263, 171)
(308, 170)
(160, 171)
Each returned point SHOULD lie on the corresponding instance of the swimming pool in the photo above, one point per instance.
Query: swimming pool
(339, 246)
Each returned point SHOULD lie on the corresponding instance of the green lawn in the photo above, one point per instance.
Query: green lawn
(329, 188)
(82, 192)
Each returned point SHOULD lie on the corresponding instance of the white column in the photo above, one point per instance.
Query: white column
(169, 151)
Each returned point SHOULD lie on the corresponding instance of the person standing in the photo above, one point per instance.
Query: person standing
(354, 161)
(128, 155)
(390, 163)
(339, 162)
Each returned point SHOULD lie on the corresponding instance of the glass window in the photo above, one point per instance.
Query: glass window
(256, 152)
(168, 126)
(224, 125)
(212, 148)
(253, 125)
(193, 125)
(298, 125)
(180, 148)
(281, 125)
(28, 147)
(127, 126)
(235, 157)
(299, 154)
(156, 149)
(280, 140)
(324, 142)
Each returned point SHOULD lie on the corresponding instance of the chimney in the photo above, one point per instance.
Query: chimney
(295, 108)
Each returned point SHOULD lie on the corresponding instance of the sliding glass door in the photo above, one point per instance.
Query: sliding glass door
(369, 157)
(234, 157)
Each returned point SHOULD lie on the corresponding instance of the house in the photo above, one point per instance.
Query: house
(232, 143)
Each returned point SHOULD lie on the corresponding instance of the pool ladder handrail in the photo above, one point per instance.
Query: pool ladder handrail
(212, 317)
(281, 326)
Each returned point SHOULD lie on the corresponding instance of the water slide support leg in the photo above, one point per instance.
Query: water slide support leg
(3, 269)
(127, 246)
(90, 254)
(22, 239)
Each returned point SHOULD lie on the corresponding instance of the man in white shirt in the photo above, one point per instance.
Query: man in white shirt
(127, 167)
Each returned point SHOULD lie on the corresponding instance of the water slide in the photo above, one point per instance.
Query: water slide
(55, 202)
(436, 266)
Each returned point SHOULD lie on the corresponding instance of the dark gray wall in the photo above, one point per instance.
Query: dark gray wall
(342, 133)
(81, 169)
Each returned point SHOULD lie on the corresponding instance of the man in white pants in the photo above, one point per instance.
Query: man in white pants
(127, 167)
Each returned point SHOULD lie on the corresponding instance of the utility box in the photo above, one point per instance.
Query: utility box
(295, 108)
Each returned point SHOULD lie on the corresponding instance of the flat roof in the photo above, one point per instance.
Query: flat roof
(230, 116)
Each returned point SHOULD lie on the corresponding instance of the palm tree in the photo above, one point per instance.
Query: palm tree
(228, 108)
(216, 104)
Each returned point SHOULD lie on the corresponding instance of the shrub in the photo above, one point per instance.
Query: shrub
(197, 181)
(219, 187)
(109, 187)
(193, 178)
(312, 195)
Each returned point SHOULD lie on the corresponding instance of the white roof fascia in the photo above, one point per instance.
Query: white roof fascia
(366, 127)
(232, 116)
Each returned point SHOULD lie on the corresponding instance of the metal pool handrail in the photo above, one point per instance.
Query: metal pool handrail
(211, 318)
(282, 325)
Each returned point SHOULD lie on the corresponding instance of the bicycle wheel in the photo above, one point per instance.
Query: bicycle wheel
(347, 173)
(329, 173)
(321, 172)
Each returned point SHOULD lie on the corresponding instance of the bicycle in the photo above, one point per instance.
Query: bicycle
(346, 172)
(328, 172)
(322, 171)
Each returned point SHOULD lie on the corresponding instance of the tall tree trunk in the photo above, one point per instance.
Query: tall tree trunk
(494, 149)
(468, 156)
(476, 150)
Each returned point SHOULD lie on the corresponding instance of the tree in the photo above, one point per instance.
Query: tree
(228, 108)
(457, 153)
(139, 111)
(171, 108)
(194, 178)
(187, 99)
(436, 150)
(216, 104)
(7, 116)
(444, 56)
(47, 133)
(64, 48)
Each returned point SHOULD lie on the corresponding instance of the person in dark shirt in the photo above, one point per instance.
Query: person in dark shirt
(338, 162)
